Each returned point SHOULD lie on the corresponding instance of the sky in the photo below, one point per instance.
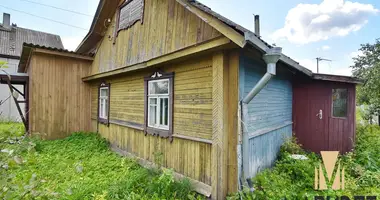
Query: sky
(305, 29)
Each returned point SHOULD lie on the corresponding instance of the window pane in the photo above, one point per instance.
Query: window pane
(105, 109)
(166, 111)
(159, 87)
(161, 111)
(101, 108)
(152, 115)
(104, 92)
(339, 97)
(152, 101)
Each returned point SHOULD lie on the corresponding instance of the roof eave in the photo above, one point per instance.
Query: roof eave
(337, 78)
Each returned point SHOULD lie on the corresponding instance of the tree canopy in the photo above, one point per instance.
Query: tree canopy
(367, 67)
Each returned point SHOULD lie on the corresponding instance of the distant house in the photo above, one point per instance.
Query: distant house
(172, 82)
(11, 40)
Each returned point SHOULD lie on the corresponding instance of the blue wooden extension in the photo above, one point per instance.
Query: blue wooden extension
(268, 118)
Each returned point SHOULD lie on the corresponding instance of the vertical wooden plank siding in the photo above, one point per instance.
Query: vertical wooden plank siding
(268, 116)
(329, 133)
(173, 29)
(58, 97)
(219, 126)
(192, 118)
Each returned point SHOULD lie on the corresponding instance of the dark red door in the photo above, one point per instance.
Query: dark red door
(318, 115)
(324, 120)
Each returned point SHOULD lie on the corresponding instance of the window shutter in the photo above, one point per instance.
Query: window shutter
(130, 13)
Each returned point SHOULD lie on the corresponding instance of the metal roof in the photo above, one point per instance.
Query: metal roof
(28, 48)
(11, 40)
(53, 49)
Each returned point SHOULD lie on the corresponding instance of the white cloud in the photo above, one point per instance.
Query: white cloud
(355, 54)
(71, 43)
(325, 48)
(307, 23)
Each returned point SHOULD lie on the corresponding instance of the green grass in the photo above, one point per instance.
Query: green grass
(79, 167)
(294, 179)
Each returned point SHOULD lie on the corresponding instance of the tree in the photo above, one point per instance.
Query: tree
(367, 68)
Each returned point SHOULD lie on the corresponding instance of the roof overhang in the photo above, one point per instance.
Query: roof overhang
(106, 9)
(29, 49)
(337, 78)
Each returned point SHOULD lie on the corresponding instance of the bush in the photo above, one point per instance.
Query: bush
(294, 179)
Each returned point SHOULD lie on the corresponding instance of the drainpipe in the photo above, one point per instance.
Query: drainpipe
(271, 57)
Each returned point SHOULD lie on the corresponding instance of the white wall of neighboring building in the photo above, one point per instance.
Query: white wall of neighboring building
(8, 109)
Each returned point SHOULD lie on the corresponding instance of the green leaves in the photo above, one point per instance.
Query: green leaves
(294, 179)
(367, 68)
(80, 167)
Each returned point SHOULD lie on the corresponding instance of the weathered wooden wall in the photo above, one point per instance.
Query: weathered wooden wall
(268, 117)
(167, 27)
(58, 98)
(192, 118)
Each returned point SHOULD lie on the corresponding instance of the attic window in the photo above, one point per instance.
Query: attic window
(130, 12)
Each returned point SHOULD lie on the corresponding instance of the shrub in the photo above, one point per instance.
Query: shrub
(294, 179)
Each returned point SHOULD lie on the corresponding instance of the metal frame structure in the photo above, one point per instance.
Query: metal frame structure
(19, 79)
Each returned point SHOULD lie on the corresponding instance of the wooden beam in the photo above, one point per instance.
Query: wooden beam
(115, 72)
(195, 50)
(221, 41)
(233, 104)
(229, 32)
(17, 105)
(219, 127)
(65, 54)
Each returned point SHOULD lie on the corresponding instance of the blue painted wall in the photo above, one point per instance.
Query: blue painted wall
(269, 113)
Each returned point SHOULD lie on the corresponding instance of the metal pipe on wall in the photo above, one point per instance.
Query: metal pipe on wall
(271, 58)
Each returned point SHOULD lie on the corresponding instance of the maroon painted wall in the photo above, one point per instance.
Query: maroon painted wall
(329, 133)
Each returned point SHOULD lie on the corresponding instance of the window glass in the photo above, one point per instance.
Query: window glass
(103, 103)
(158, 111)
(103, 92)
(159, 87)
(339, 99)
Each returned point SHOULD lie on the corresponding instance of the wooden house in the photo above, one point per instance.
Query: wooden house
(172, 83)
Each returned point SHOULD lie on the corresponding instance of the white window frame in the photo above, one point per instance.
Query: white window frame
(159, 97)
(103, 110)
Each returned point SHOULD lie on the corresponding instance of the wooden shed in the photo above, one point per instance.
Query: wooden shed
(57, 104)
(324, 112)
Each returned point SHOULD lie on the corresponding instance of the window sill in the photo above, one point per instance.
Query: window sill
(158, 132)
(103, 121)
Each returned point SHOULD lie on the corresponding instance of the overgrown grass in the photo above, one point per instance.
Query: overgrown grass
(79, 167)
(294, 179)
